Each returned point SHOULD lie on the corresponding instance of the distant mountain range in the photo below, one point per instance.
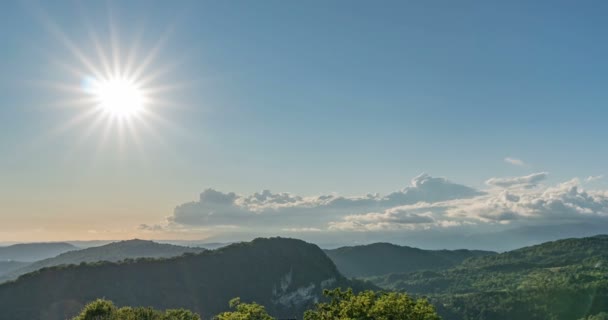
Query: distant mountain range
(9, 266)
(113, 252)
(561, 280)
(384, 258)
(285, 275)
(29, 252)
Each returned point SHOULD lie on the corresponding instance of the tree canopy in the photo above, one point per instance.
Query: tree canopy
(342, 305)
(105, 310)
(345, 305)
(244, 311)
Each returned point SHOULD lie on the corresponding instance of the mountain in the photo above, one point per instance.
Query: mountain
(29, 252)
(113, 252)
(285, 275)
(9, 266)
(564, 279)
(384, 258)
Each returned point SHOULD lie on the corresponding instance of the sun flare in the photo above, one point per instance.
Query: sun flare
(118, 97)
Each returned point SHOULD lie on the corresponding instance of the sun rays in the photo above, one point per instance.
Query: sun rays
(116, 94)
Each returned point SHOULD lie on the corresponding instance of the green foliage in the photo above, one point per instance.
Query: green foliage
(599, 316)
(371, 305)
(244, 311)
(564, 280)
(97, 310)
(105, 310)
(276, 269)
(383, 258)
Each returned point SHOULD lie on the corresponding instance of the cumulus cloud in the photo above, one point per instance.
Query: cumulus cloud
(390, 219)
(565, 202)
(594, 178)
(515, 161)
(528, 181)
(428, 204)
(267, 209)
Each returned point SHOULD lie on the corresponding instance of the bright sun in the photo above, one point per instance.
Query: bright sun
(118, 97)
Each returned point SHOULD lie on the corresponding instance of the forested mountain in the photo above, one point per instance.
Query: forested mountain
(285, 275)
(384, 258)
(9, 266)
(113, 252)
(564, 279)
(29, 252)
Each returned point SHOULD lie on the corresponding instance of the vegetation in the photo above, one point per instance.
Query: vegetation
(371, 305)
(566, 279)
(244, 311)
(287, 276)
(560, 280)
(105, 310)
(384, 258)
(342, 305)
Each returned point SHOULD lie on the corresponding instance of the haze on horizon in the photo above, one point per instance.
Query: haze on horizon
(477, 124)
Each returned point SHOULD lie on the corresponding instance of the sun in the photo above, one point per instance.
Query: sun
(117, 90)
(118, 97)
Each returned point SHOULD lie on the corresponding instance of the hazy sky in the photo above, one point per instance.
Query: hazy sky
(337, 107)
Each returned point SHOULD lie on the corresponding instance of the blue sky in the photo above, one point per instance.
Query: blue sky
(310, 98)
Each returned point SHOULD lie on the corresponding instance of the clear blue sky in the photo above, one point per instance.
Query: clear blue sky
(310, 98)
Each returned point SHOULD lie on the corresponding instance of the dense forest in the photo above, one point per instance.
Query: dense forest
(565, 279)
(559, 280)
(285, 275)
(383, 258)
(339, 305)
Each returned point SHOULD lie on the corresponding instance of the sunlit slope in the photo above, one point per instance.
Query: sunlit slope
(564, 279)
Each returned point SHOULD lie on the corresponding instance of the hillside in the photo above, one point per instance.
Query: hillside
(285, 275)
(29, 252)
(384, 258)
(558, 253)
(113, 252)
(9, 266)
(564, 279)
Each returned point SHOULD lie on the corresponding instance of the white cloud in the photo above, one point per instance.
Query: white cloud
(528, 181)
(594, 178)
(427, 205)
(270, 210)
(515, 161)
(565, 202)
(390, 219)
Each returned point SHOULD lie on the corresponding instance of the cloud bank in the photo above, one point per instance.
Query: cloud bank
(428, 204)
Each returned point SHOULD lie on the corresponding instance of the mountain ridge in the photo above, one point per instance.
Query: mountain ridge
(286, 275)
(112, 252)
(29, 252)
(383, 258)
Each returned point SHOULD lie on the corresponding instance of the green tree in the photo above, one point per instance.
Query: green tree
(345, 305)
(97, 310)
(599, 316)
(105, 310)
(244, 311)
